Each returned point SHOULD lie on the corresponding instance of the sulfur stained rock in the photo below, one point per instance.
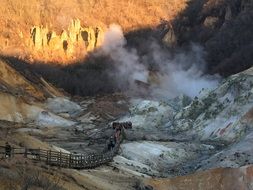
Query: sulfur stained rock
(88, 36)
(99, 34)
(74, 41)
(170, 38)
(36, 37)
(54, 42)
(74, 30)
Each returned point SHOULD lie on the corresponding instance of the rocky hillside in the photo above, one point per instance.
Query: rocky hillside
(198, 142)
(202, 136)
(224, 28)
(24, 83)
(47, 30)
(23, 97)
(176, 137)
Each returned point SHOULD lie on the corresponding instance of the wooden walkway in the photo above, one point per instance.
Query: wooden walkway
(60, 159)
(69, 160)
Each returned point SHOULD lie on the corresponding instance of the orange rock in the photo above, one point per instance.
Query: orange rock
(214, 179)
(69, 45)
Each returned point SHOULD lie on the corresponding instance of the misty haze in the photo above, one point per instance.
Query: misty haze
(126, 95)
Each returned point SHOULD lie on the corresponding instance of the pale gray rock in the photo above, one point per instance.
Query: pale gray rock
(63, 105)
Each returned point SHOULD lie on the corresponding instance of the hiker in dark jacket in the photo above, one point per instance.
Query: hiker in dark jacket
(111, 144)
(7, 150)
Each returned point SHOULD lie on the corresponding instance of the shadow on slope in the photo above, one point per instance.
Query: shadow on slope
(84, 79)
(224, 28)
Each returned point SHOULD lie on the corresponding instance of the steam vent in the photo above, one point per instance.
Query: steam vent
(126, 94)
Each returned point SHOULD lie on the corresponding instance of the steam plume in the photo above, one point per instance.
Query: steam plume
(178, 74)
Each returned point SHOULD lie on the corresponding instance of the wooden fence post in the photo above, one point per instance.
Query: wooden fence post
(25, 154)
(12, 152)
(81, 161)
(60, 159)
(70, 160)
(47, 157)
(39, 154)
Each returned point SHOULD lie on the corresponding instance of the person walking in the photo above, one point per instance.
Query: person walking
(7, 150)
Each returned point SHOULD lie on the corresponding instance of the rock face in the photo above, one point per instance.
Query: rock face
(158, 158)
(25, 84)
(147, 114)
(224, 28)
(53, 16)
(63, 105)
(69, 43)
(214, 130)
(221, 114)
(22, 100)
(170, 39)
(211, 22)
(16, 109)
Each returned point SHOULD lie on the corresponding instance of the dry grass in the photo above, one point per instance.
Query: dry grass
(128, 13)
(17, 17)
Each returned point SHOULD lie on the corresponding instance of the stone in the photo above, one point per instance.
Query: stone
(71, 43)
(228, 15)
(211, 22)
(63, 105)
(170, 38)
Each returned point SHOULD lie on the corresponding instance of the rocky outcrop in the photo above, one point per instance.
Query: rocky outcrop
(211, 22)
(69, 43)
(24, 84)
(158, 158)
(224, 28)
(15, 109)
(63, 105)
(170, 39)
(22, 99)
(220, 120)
(218, 115)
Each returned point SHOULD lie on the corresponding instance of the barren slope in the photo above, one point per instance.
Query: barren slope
(18, 17)
(221, 179)
(224, 28)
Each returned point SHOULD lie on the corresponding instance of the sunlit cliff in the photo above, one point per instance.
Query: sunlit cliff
(64, 31)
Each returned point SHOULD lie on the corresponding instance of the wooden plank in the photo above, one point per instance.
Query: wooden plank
(64, 159)
(60, 159)
(70, 160)
(47, 157)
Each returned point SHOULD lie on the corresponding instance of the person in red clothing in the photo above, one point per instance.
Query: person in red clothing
(119, 129)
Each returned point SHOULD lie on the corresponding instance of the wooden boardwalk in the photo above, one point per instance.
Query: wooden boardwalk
(60, 159)
(69, 160)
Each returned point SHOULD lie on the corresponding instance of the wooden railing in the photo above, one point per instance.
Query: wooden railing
(61, 159)
(69, 160)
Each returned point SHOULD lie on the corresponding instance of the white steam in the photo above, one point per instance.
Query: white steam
(128, 64)
(182, 73)
(178, 74)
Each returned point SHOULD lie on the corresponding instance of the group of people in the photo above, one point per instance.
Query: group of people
(114, 139)
(119, 130)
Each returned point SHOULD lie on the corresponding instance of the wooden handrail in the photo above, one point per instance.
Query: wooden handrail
(67, 160)
(61, 159)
